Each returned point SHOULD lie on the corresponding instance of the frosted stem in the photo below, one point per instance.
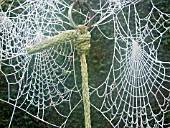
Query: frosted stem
(85, 90)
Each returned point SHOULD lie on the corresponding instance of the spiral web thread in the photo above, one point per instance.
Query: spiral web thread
(135, 92)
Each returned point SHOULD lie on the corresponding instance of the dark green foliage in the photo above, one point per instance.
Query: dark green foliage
(21, 119)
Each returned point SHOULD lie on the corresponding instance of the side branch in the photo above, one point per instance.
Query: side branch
(53, 41)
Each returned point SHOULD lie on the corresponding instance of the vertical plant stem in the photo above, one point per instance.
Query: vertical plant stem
(85, 90)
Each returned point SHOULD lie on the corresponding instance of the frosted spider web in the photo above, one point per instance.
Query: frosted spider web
(135, 92)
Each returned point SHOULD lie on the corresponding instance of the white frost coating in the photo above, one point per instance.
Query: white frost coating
(4, 20)
(136, 51)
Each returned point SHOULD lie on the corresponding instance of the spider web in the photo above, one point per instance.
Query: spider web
(135, 91)
(41, 82)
